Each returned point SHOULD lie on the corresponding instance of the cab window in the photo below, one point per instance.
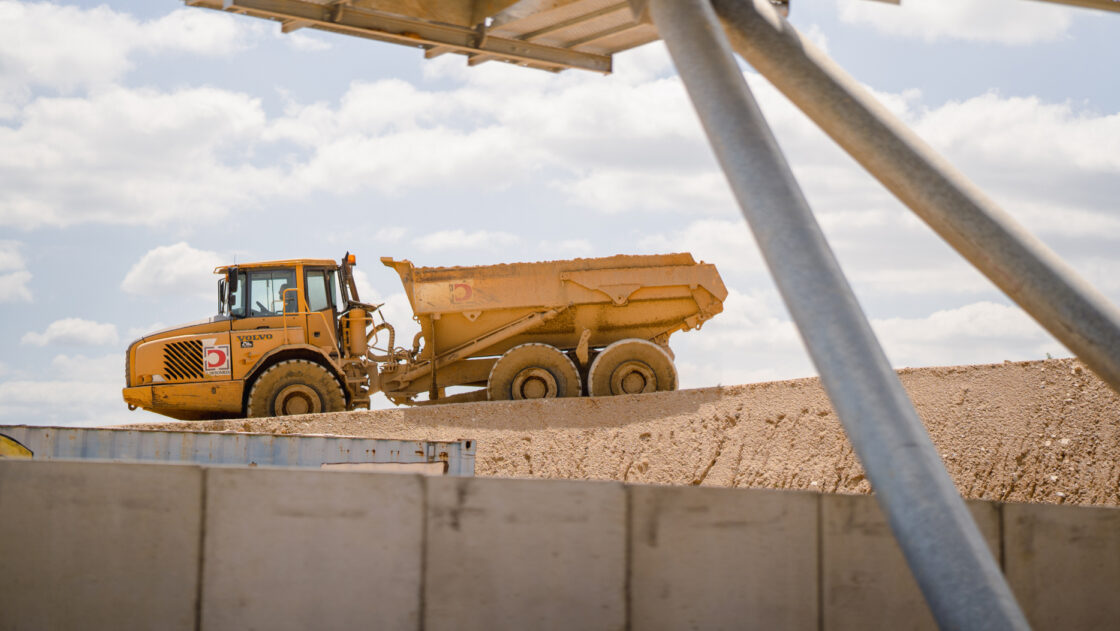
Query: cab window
(318, 290)
(266, 292)
(337, 297)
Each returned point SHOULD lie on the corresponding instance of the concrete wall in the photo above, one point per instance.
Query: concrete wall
(112, 546)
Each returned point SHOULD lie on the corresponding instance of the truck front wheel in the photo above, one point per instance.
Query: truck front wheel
(295, 386)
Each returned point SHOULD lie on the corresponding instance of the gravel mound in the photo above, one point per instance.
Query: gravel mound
(1041, 431)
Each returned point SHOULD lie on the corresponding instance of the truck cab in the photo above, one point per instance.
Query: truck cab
(275, 347)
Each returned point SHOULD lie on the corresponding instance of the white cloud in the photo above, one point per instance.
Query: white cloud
(499, 126)
(146, 157)
(80, 367)
(1002, 21)
(137, 332)
(75, 390)
(1019, 132)
(365, 289)
(59, 402)
(464, 240)
(982, 332)
(174, 270)
(1056, 168)
(10, 257)
(390, 233)
(198, 32)
(754, 340)
(306, 43)
(14, 286)
(14, 277)
(749, 321)
(73, 332)
(566, 247)
(726, 243)
(751, 340)
(615, 190)
(133, 157)
(63, 47)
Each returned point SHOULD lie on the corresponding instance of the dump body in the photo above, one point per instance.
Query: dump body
(483, 311)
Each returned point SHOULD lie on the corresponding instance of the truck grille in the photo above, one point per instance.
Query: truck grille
(183, 360)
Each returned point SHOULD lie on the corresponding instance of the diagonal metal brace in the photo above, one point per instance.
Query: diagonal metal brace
(947, 554)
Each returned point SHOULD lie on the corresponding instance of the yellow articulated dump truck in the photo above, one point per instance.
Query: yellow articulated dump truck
(292, 337)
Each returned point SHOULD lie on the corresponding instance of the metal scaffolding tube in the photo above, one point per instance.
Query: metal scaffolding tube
(1018, 263)
(946, 552)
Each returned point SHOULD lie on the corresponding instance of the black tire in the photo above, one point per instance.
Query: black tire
(295, 386)
(533, 371)
(631, 366)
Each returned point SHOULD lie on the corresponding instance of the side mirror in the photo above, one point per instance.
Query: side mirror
(232, 275)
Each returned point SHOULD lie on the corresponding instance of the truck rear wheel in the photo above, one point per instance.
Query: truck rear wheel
(631, 366)
(533, 371)
(295, 386)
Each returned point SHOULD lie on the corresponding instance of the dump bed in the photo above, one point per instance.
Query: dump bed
(611, 298)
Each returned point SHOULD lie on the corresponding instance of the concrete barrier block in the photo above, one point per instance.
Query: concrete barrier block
(98, 545)
(527, 554)
(1063, 564)
(865, 582)
(723, 559)
(312, 550)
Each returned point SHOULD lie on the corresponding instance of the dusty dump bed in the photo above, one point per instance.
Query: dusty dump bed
(612, 298)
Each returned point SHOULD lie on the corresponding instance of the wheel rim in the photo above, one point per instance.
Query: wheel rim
(633, 377)
(534, 383)
(297, 399)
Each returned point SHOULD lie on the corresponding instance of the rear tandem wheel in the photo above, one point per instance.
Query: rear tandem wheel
(533, 371)
(631, 366)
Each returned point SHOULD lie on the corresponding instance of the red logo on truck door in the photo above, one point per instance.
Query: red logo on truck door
(215, 359)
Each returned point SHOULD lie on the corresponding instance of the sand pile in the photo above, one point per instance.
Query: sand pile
(1044, 431)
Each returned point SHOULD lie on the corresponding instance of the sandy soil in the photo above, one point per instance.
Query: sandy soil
(1044, 431)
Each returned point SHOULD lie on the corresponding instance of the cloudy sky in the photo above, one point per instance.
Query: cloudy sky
(144, 142)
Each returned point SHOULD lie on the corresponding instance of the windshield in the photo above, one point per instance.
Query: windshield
(261, 293)
(266, 292)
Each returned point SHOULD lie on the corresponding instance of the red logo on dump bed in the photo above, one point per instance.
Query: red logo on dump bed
(215, 359)
(461, 292)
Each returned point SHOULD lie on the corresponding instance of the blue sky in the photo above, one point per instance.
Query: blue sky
(143, 143)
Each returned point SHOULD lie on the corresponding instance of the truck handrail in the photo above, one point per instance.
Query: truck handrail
(299, 312)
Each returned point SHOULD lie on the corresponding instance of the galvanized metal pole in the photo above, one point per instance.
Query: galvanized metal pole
(946, 552)
(1019, 264)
